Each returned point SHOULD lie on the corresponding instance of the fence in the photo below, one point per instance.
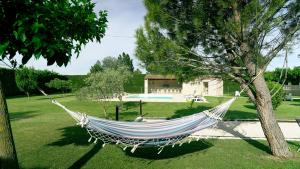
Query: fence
(293, 89)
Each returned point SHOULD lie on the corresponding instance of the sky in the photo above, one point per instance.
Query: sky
(124, 17)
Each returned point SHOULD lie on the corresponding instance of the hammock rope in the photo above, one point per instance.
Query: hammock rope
(147, 134)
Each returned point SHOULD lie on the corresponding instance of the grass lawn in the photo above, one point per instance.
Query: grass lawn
(46, 137)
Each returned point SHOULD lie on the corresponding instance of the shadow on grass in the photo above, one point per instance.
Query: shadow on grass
(86, 157)
(128, 115)
(297, 145)
(169, 152)
(72, 135)
(14, 116)
(79, 137)
(253, 107)
(229, 127)
(230, 115)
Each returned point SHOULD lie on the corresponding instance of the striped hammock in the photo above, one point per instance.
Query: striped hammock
(142, 134)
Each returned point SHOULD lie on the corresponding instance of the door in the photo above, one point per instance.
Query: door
(205, 88)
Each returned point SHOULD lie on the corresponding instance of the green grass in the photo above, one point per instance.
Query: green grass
(46, 137)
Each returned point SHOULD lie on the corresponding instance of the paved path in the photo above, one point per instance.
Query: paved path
(247, 129)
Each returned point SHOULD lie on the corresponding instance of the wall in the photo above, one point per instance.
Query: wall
(215, 87)
(162, 86)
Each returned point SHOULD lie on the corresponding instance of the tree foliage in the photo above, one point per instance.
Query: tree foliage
(63, 85)
(124, 59)
(26, 79)
(237, 39)
(278, 75)
(277, 93)
(106, 85)
(53, 30)
(109, 62)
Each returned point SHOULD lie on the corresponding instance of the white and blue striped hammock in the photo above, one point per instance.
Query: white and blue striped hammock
(143, 134)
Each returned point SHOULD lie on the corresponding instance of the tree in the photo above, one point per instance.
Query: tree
(106, 85)
(109, 62)
(231, 38)
(97, 67)
(26, 80)
(52, 30)
(125, 60)
(63, 85)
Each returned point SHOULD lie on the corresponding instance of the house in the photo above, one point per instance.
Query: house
(168, 84)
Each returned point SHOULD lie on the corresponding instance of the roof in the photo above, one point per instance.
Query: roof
(160, 77)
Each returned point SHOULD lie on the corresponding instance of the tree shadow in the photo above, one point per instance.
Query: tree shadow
(86, 157)
(72, 135)
(230, 115)
(253, 107)
(230, 129)
(169, 152)
(14, 116)
(128, 115)
(79, 137)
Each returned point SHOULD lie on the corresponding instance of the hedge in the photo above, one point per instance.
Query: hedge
(8, 79)
(7, 76)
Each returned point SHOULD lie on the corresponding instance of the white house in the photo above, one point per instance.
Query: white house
(168, 84)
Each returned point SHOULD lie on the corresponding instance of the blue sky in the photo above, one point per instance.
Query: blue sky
(124, 17)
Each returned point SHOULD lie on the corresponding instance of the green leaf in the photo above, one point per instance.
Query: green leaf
(15, 34)
(36, 41)
(23, 37)
(36, 26)
(3, 48)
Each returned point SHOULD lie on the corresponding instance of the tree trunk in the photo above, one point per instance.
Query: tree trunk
(27, 93)
(272, 131)
(8, 155)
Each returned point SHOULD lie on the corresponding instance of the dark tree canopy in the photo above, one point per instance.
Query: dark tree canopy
(125, 59)
(53, 30)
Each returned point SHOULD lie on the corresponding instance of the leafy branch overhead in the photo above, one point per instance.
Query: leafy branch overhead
(50, 30)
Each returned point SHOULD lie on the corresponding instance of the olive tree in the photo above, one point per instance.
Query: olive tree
(106, 85)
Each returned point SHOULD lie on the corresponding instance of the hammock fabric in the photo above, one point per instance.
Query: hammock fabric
(143, 134)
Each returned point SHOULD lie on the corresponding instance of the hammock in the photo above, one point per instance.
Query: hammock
(143, 134)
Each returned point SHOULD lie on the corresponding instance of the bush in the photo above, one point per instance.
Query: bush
(77, 81)
(277, 92)
(63, 85)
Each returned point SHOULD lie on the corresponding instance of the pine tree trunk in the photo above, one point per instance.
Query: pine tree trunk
(8, 156)
(272, 131)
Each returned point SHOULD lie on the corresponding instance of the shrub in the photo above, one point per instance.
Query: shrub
(63, 85)
(276, 92)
